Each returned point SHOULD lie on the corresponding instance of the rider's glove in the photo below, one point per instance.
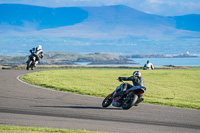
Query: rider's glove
(119, 78)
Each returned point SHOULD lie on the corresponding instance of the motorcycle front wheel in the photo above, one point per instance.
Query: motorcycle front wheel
(28, 65)
(32, 65)
(107, 101)
(129, 101)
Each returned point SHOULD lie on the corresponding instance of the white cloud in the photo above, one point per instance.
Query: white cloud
(169, 7)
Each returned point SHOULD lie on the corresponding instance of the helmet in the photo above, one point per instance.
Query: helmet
(39, 47)
(137, 73)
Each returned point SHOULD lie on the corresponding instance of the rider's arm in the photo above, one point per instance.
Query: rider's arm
(126, 78)
(152, 67)
(41, 54)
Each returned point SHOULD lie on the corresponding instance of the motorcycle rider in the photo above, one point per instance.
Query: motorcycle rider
(37, 52)
(137, 81)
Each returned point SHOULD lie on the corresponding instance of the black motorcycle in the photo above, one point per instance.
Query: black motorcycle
(125, 99)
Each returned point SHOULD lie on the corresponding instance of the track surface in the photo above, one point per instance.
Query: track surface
(25, 105)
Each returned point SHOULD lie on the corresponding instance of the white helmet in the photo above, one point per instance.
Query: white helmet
(137, 73)
(39, 47)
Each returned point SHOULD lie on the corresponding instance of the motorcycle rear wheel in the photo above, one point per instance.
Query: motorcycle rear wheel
(107, 101)
(130, 100)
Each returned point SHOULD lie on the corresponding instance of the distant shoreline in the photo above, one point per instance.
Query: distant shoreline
(63, 58)
(39, 67)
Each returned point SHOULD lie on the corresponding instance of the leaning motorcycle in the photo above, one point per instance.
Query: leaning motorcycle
(31, 62)
(125, 99)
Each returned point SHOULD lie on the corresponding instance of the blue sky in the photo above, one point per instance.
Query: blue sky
(159, 7)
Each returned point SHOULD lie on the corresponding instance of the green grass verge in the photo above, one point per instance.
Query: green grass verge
(16, 129)
(171, 87)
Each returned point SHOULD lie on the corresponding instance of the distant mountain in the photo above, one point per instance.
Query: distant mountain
(40, 17)
(188, 22)
(111, 29)
(116, 19)
(125, 21)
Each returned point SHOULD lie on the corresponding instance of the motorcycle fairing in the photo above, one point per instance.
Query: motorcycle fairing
(119, 87)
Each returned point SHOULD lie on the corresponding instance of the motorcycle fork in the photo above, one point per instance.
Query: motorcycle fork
(111, 95)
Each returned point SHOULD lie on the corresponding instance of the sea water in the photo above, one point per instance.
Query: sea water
(192, 61)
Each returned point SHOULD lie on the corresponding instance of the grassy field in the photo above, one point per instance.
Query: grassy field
(171, 87)
(16, 129)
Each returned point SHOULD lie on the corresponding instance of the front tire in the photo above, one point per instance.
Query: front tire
(129, 101)
(28, 65)
(107, 101)
(32, 65)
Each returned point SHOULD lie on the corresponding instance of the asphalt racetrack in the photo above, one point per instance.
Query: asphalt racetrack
(26, 105)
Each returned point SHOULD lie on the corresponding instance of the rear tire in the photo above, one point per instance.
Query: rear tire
(107, 101)
(130, 100)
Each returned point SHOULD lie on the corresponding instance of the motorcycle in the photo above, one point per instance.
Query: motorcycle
(125, 99)
(31, 62)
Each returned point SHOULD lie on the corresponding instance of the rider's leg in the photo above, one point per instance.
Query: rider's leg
(36, 63)
(37, 60)
(125, 87)
(140, 99)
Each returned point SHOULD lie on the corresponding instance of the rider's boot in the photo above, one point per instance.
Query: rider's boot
(35, 63)
(139, 101)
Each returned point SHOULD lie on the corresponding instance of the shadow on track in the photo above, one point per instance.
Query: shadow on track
(78, 107)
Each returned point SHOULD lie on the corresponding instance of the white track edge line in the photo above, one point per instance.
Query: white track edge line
(18, 78)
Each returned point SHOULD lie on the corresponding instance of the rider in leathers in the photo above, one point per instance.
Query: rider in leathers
(137, 81)
(37, 52)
